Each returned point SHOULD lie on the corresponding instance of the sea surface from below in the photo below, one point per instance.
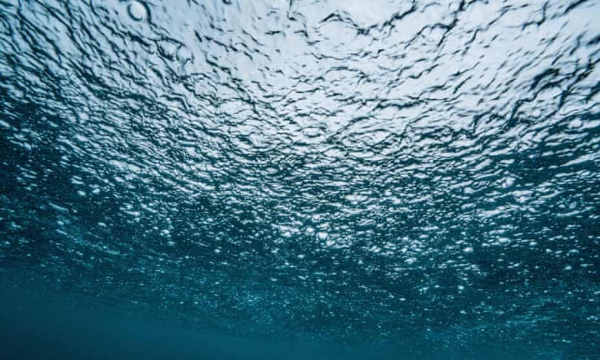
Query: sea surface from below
(300, 179)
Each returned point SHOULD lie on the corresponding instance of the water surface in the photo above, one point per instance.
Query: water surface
(408, 179)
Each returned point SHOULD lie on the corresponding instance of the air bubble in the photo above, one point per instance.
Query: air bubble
(508, 182)
(137, 10)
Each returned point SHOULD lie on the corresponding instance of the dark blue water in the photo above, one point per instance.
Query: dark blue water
(299, 179)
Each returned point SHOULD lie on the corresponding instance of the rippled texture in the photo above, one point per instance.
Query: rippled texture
(421, 175)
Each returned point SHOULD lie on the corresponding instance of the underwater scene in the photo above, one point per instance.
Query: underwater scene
(300, 179)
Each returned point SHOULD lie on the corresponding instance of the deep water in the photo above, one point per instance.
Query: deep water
(299, 179)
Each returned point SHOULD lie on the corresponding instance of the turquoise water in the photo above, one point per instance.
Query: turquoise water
(300, 179)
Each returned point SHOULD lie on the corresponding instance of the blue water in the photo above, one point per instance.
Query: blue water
(342, 179)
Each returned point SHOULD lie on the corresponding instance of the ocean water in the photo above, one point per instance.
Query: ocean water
(299, 179)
